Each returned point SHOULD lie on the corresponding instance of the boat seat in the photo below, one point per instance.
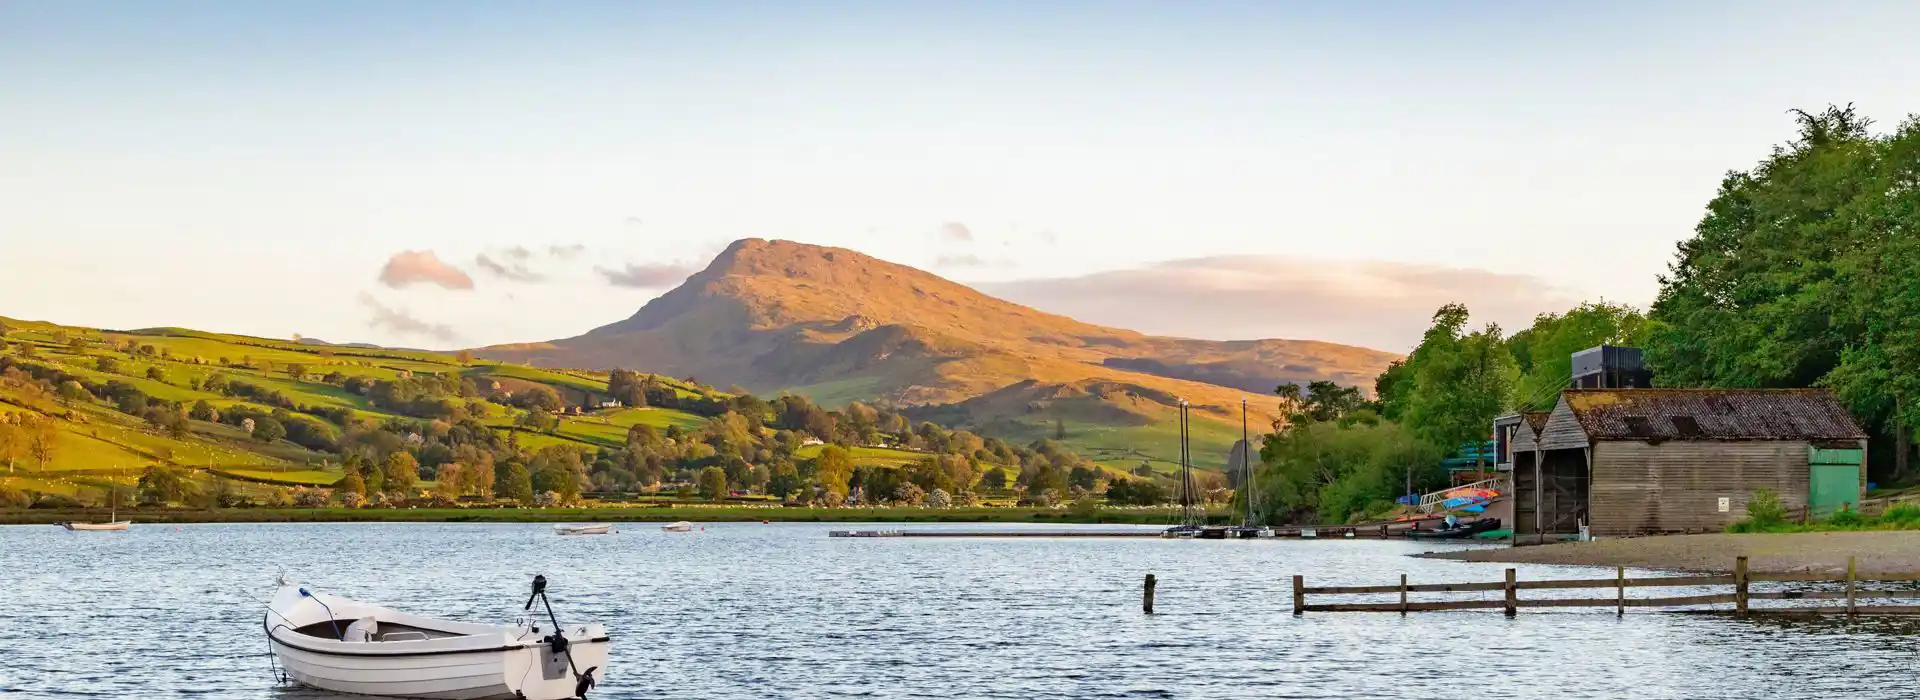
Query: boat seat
(362, 630)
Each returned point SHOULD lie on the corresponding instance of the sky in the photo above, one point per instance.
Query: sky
(453, 174)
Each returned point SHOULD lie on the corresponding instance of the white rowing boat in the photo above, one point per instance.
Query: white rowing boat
(346, 646)
(594, 529)
(682, 526)
(97, 527)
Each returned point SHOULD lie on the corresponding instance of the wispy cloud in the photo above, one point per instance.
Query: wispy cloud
(403, 323)
(652, 276)
(518, 253)
(565, 252)
(969, 260)
(422, 267)
(1383, 305)
(956, 231)
(516, 271)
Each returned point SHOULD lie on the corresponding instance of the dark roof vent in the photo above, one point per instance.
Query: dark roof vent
(1638, 426)
(1687, 427)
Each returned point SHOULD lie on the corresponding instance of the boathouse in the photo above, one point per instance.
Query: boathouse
(1623, 462)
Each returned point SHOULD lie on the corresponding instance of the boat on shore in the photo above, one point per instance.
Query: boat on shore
(681, 526)
(346, 646)
(1458, 531)
(583, 529)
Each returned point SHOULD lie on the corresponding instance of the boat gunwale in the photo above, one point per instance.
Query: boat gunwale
(421, 652)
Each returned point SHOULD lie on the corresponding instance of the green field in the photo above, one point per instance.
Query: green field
(871, 456)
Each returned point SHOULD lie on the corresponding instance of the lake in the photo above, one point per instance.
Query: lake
(783, 611)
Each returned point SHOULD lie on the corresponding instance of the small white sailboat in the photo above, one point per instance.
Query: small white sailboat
(97, 527)
(113, 522)
(681, 526)
(346, 646)
(583, 529)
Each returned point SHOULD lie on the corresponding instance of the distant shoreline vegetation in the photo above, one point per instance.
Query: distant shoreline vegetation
(656, 514)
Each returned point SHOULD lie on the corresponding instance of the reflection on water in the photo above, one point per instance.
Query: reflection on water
(758, 611)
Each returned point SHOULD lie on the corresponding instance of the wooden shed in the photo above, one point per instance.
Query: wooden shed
(1628, 462)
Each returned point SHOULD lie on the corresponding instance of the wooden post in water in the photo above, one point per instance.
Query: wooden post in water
(1146, 599)
(1620, 591)
(1299, 594)
(1513, 590)
(1403, 595)
(1850, 580)
(1383, 531)
(1740, 586)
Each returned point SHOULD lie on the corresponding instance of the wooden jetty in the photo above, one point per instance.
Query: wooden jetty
(1739, 593)
(1325, 532)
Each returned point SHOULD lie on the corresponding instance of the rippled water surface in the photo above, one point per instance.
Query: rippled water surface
(783, 611)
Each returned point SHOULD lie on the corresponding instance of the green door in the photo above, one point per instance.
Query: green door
(1833, 479)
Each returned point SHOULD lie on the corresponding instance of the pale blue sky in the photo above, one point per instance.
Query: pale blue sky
(250, 167)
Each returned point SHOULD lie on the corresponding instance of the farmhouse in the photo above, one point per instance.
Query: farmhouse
(1623, 462)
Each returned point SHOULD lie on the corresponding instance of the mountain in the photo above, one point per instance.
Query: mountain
(839, 326)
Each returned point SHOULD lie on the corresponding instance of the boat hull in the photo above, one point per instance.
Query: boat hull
(97, 527)
(478, 675)
(601, 529)
(682, 526)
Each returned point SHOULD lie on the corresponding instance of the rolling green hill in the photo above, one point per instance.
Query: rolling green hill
(96, 447)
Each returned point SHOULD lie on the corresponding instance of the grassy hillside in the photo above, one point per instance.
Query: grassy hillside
(96, 448)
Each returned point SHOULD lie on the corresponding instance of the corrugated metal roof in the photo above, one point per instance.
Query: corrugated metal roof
(1712, 414)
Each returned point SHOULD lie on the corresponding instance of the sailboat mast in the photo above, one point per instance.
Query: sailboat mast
(1246, 461)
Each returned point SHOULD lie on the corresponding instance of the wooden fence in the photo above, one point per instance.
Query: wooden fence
(1740, 593)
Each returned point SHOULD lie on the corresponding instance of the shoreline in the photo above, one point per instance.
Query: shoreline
(1874, 551)
(604, 514)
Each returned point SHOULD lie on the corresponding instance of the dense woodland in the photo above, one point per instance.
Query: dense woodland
(1802, 273)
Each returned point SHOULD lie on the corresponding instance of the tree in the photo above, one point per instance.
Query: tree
(536, 420)
(71, 391)
(538, 398)
(203, 411)
(834, 469)
(157, 374)
(352, 483)
(1459, 381)
(402, 471)
(939, 498)
(160, 486)
(783, 479)
(1059, 429)
(713, 483)
(448, 481)
(516, 483)
(106, 364)
(13, 443)
(1800, 275)
(296, 371)
(266, 429)
(43, 439)
(464, 357)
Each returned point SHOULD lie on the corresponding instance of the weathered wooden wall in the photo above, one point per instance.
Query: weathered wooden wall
(1642, 488)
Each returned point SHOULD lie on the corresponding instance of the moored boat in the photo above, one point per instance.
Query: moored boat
(584, 529)
(96, 527)
(333, 643)
(681, 526)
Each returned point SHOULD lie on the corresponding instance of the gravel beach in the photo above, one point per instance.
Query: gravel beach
(1876, 552)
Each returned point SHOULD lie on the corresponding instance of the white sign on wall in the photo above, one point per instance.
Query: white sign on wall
(1726, 504)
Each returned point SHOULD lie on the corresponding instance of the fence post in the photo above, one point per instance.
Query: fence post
(1850, 581)
(1620, 591)
(1403, 595)
(1383, 531)
(1806, 514)
(1513, 600)
(1146, 600)
(1740, 586)
(1299, 594)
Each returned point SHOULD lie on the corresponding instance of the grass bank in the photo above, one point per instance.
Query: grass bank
(601, 514)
